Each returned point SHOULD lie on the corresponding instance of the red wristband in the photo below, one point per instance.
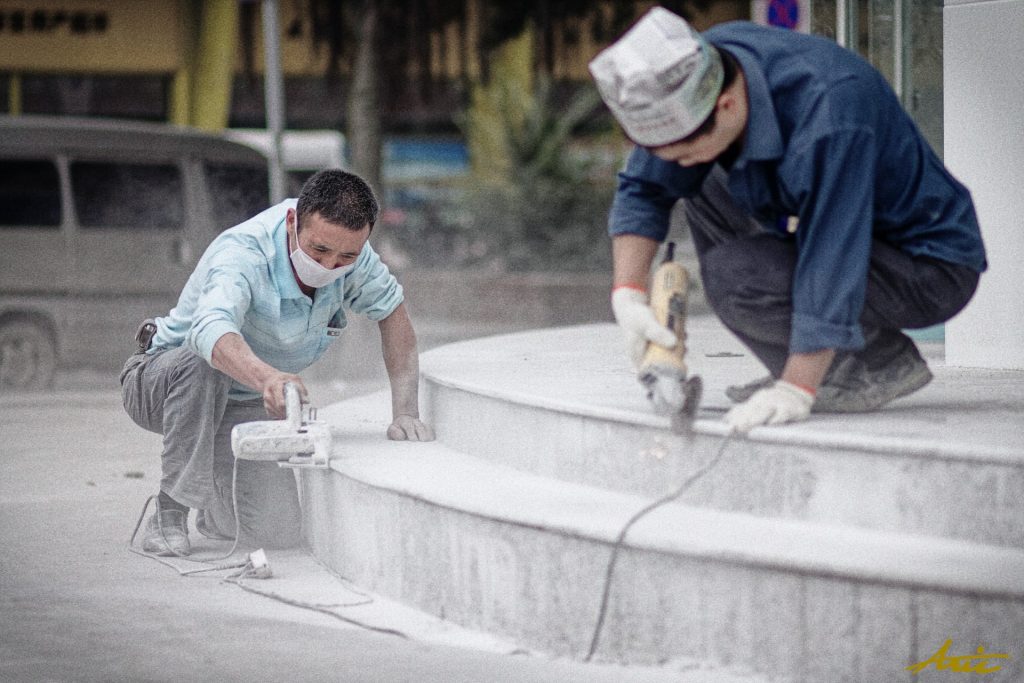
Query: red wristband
(630, 285)
(810, 390)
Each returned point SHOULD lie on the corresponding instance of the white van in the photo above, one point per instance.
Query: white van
(101, 223)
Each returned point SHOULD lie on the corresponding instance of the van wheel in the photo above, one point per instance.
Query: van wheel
(28, 359)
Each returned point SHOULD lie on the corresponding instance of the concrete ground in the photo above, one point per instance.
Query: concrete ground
(76, 605)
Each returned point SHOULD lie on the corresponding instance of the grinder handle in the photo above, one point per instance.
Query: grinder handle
(669, 290)
(292, 405)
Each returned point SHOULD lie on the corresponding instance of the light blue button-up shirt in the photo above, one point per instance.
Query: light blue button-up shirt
(244, 284)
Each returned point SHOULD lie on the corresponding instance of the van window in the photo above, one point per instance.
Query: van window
(29, 193)
(238, 192)
(122, 195)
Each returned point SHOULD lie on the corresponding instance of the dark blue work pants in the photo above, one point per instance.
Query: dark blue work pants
(747, 273)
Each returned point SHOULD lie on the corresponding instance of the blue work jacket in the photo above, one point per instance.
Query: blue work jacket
(828, 142)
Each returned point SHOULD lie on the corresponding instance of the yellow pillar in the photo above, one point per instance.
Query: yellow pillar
(500, 104)
(210, 98)
(179, 107)
(14, 95)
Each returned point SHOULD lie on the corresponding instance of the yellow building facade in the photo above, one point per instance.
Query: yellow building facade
(183, 60)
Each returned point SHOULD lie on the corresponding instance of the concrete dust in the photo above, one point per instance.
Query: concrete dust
(76, 605)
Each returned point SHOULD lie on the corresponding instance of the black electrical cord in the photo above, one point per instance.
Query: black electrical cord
(678, 491)
(323, 609)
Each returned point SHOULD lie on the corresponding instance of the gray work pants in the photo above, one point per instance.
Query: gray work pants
(178, 394)
(747, 273)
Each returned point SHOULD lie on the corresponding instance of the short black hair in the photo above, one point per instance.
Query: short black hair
(339, 197)
(729, 69)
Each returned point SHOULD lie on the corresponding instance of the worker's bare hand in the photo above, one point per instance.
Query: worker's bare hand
(273, 393)
(409, 428)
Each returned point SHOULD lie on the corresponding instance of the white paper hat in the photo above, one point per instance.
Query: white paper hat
(661, 79)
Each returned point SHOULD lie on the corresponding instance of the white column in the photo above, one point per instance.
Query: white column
(983, 62)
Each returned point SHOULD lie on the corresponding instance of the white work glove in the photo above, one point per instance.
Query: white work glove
(638, 323)
(782, 402)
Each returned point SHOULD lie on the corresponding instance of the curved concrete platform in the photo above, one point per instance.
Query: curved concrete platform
(564, 403)
(546, 448)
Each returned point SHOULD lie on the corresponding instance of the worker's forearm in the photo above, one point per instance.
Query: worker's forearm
(808, 369)
(401, 359)
(232, 356)
(632, 256)
(404, 376)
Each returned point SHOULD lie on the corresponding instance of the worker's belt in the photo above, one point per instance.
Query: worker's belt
(144, 335)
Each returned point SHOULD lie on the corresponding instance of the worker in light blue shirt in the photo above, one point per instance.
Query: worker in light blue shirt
(244, 284)
(823, 222)
(264, 302)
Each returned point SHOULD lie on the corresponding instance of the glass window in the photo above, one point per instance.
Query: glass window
(237, 192)
(903, 40)
(922, 68)
(124, 195)
(29, 193)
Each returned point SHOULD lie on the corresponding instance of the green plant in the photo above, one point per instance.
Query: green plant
(543, 204)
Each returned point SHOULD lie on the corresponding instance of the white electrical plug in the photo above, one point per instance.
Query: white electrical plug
(259, 567)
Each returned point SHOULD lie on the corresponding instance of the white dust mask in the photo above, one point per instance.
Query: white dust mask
(311, 273)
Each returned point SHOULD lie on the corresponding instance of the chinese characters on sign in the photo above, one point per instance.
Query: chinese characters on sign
(78, 22)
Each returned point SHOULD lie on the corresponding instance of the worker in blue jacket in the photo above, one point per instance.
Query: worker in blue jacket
(823, 222)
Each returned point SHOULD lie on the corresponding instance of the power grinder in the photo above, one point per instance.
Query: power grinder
(663, 371)
(292, 442)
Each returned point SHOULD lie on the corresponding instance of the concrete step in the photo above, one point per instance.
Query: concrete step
(524, 556)
(564, 403)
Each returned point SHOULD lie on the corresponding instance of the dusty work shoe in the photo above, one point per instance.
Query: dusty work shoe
(739, 393)
(206, 528)
(166, 533)
(855, 388)
(850, 386)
